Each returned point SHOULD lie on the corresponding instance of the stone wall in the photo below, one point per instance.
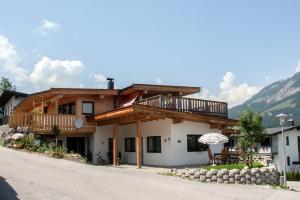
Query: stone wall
(258, 176)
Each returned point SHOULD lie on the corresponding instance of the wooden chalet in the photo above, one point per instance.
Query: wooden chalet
(140, 124)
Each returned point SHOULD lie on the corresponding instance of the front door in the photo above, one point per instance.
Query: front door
(76, 144)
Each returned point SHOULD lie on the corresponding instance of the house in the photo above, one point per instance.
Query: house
(291, 144)
(8, 101)
(140, 124)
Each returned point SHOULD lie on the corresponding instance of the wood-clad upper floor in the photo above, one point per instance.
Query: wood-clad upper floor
(41, 110)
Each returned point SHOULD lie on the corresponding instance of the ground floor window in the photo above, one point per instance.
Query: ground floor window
(154, 144)
(76, 145)
(193, 145)
(129, 144)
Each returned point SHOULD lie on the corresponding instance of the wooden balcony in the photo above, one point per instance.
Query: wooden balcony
(43, 123)
(197, 106)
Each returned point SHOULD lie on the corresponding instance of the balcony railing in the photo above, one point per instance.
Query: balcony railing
(197, 106)
(42, 123)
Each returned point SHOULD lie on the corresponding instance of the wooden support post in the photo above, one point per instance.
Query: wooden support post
(115, 145)
(138, 147)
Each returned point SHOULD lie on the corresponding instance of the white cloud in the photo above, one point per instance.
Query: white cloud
(229, 92)
(158, 81)
(47, 26)
(98, 77)
(298, 67)
(57, 73)
(45, 74)
(9, 61)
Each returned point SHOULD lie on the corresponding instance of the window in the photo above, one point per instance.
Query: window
(193, 145)
(129, 144)
(154, 144)
(288, 160)
(87, 107)
(68, 108)
(287, 141)
(267, 142)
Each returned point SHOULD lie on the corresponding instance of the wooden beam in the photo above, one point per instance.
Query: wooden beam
(115, 145)
(138, 145)
(54, 99)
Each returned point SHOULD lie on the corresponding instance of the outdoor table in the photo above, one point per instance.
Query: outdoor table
(232, 156)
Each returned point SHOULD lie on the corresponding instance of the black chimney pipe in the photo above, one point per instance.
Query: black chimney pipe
(110, 83)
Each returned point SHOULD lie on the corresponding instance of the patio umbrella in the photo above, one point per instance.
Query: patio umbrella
(213, 138)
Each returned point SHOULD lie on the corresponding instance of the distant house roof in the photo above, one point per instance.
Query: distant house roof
(277, 130)
(5, 95)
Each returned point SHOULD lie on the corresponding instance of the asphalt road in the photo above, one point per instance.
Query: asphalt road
(30, 176)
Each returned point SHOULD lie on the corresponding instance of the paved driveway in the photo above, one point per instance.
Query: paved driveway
(29, 176)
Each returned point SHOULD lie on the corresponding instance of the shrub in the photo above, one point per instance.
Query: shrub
(233, 166)
(292, 176)
(27, 142)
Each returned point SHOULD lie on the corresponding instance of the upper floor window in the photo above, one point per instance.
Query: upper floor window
(68, 108)
(287, 141)
(87, 108)
(193, 145)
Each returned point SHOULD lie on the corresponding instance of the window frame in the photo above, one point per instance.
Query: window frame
(132, 145)
(155, 143)
(93, 107)
(190, 149)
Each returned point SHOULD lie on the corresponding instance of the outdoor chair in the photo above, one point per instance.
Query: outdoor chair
(210, 157)
(224, 156)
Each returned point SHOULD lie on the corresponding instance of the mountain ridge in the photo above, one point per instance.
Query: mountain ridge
(280, 96)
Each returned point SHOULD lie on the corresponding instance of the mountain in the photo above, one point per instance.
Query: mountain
(281, 96)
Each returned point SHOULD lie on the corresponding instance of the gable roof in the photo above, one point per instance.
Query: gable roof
(130, 114)
(6, 95)
(277, 130)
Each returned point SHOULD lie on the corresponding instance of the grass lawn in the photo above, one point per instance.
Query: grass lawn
(231, 166)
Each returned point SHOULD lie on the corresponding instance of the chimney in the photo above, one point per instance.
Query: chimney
(291, 122)
(110, 83)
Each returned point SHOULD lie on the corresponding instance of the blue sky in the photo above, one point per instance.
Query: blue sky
(229, 48)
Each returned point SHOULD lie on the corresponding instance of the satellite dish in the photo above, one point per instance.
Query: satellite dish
(78, 123)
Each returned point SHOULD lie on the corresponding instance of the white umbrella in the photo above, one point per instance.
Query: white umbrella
(213, 138)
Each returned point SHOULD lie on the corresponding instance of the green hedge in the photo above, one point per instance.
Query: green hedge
(232, 166)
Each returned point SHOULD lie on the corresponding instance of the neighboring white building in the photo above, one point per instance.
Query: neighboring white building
(292, 147)
(8, 101)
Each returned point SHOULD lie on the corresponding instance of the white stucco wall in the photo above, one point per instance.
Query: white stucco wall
(173, 153)
(291, 149)
(11, 104)
(180, 155)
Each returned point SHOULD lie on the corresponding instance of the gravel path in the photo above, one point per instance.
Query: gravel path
(29, 176)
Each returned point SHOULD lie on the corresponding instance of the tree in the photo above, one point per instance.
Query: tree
(252, 133)
(5, 84)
